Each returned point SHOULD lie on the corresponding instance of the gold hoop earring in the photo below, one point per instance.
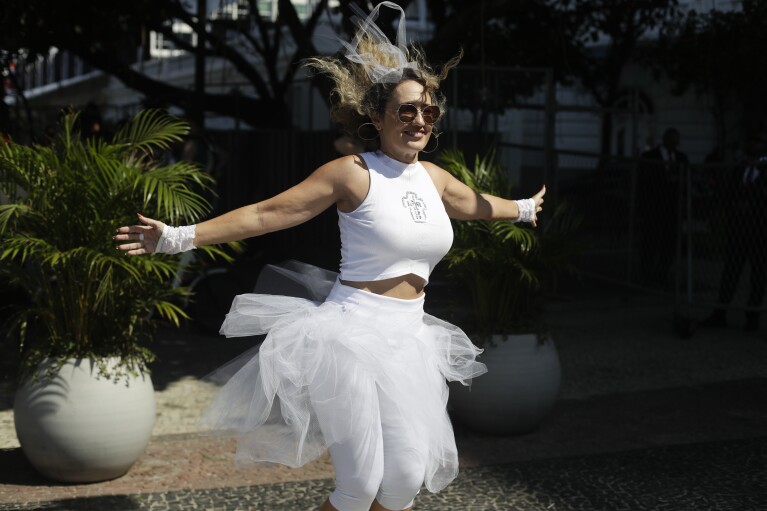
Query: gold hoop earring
(435, 134)
(359, 135)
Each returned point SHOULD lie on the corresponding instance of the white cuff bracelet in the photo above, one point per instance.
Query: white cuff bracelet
(176, 239)
(526, 210)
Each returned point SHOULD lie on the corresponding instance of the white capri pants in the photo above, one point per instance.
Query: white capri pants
(362, 375)
(392, 474)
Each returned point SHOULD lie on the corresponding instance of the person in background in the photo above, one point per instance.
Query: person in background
(660, 174)
(745, 194)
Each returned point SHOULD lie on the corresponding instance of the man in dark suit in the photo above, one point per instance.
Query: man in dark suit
(658, 197)
(745, 193)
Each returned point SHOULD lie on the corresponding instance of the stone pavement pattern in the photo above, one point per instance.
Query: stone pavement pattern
(647, 421)
(712, 476)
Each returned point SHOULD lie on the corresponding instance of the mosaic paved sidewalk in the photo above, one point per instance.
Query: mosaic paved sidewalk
(692, 448)
(717, 476)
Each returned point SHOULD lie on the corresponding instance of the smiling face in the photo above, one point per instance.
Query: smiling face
(399, 140)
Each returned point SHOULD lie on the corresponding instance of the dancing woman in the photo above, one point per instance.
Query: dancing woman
(361, 372)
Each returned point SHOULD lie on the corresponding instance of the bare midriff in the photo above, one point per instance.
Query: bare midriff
(405, 287)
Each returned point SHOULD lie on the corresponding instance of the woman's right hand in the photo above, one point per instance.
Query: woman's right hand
(143, 238)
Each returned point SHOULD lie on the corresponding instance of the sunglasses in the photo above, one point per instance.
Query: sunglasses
(408, 112)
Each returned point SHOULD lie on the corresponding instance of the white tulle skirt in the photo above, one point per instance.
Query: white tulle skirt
(317, 377)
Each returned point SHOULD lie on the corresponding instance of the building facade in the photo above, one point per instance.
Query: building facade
(646, 109)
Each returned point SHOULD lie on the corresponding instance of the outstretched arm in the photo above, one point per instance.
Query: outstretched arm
(326, 186)
(463, 203)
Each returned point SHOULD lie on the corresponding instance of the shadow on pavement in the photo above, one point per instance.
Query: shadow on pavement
(188, 352)
(110, 502)
(16, 470)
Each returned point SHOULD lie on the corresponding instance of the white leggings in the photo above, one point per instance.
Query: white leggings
(392, 472)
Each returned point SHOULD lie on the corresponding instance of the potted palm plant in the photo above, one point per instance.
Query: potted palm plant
(84, 408)
(501, 269)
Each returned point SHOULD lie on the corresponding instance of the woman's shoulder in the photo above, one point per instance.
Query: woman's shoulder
(432, 168)
(348, 173)
(350, 178)
(437, 174)
(344, 166)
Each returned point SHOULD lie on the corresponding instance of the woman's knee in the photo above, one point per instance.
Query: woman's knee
(359, 467)
(400, 484)
(356, 492)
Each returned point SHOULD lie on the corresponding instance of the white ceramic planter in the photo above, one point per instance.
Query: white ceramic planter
(79, 428)
(518, 391)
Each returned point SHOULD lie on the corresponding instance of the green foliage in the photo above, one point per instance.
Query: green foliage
(63, 204)
(500, 264)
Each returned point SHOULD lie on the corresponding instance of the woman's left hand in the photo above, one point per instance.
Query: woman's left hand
(538, 198)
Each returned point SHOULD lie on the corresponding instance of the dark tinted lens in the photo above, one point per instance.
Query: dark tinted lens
(407, 113)
(430, 114)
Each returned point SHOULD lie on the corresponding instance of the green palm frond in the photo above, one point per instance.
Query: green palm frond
(11, 214)
(215, 252)
(171, 312)
(499, 263)
(151, 130)
(170, 187)
(64, 202)
(21, 248)
(20, 169)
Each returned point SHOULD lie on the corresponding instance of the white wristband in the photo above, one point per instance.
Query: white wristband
(176, 239)
(526, 210)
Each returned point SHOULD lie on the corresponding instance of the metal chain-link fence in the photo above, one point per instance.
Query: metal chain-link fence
(722, 240)
(696, 234)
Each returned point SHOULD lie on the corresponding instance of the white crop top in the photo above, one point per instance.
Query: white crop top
(400, 227)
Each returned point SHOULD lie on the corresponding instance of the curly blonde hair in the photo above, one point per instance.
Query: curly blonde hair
(355, 96)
